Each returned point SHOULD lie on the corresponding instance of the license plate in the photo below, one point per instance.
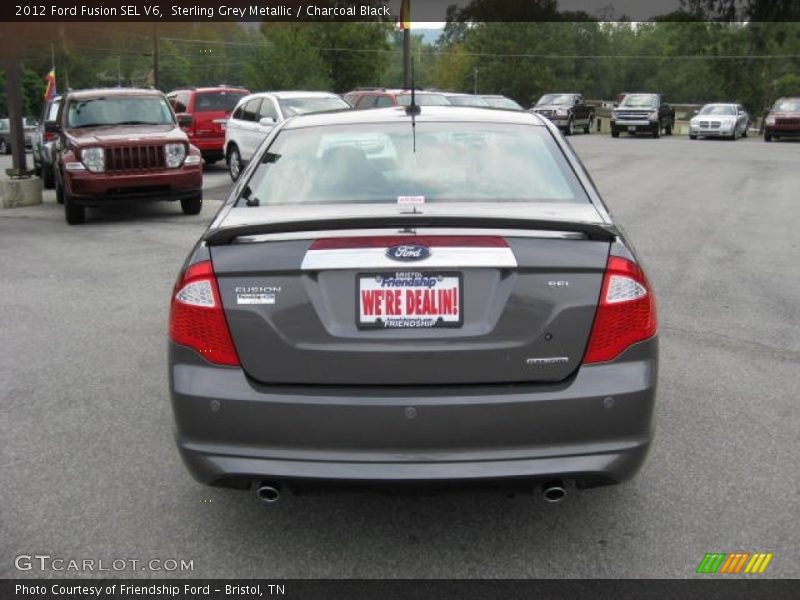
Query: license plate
(631, 127)
(409, 300)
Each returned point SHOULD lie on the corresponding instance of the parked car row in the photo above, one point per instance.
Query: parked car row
(94, 146)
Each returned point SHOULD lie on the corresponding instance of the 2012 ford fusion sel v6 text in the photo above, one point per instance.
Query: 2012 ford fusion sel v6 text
(413, 295)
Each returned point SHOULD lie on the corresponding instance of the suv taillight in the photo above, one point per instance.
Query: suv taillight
(196, 317)
(49, 136)
(626, 313)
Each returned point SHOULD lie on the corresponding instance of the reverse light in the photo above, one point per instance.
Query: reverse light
(94, 159)
(196, 316)
(174, 155)
(626, 313)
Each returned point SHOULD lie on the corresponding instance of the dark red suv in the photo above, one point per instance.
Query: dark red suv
(202, 113)
(783, 120)
(122, 144)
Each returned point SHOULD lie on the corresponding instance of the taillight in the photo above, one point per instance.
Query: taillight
(49, 136)
(626, 313)
(196, 317)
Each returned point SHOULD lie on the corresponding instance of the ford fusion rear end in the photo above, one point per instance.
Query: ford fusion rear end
(420, 305)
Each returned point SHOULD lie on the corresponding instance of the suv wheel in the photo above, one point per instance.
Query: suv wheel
(767, 137)
(570, 130)
(589, 123)
(668, 129)
(657, 131)
(193, 205)
(75, 214)
(614, 132)
(234, 162)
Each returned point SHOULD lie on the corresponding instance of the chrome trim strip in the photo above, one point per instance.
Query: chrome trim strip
(375, 258)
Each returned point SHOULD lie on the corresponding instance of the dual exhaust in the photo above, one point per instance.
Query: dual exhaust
(268, 493)
(552, 491)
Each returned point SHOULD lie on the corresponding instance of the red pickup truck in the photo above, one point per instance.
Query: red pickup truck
(122, 144)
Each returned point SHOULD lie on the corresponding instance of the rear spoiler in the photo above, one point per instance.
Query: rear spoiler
(225, 235)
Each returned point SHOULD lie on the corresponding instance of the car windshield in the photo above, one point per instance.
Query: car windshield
(502, 102)
(377, 163)
(119, 110)
(555, 99)
(217, 101)
(718, 109)
(423, 100)
(639, 101)
(467, 101)
(311, 104)
(792, 105)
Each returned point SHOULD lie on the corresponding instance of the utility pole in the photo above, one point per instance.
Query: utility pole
(475, 80)
(155, 55)
(14, 99)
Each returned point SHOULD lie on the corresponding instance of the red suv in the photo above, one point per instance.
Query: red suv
(783, 120)
(202, 113)
(122, 144)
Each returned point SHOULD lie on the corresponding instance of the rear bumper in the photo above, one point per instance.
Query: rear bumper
(89, 188)
(209, 145)
(594, 427)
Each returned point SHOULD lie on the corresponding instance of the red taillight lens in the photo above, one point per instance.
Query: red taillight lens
(626, 313)
(196, 318)
(49, 136)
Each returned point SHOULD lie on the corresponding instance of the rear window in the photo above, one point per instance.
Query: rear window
(217, 101)
(423, 100)
(301, 106)
(467, 101)
(377, 163)
(503, 102)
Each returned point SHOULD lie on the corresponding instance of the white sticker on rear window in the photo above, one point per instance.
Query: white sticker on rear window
(411, 199)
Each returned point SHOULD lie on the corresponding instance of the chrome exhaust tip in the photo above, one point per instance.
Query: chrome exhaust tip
(268, 493)
(554, 491)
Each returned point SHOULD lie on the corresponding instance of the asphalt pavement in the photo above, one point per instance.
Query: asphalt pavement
(89, 469)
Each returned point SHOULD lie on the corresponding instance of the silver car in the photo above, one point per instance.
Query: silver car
(412, 296)
(724, 120)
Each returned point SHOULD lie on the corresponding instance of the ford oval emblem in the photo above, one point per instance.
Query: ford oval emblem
(408, 252)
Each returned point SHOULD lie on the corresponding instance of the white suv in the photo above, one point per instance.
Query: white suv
(256, 115)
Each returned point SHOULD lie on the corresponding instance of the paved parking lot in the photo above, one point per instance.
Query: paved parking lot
(89, 469)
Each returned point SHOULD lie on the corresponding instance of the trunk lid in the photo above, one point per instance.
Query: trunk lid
(310, 307)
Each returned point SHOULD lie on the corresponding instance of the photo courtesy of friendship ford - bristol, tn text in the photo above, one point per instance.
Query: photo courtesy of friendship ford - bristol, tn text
(400, 295)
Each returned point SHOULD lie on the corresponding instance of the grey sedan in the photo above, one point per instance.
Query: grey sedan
(403, 296)
(725, 120)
